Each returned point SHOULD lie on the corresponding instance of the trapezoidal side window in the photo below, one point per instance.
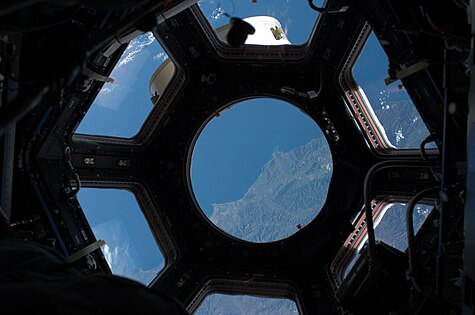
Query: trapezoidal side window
(276, 22)
(260, 170)
(389, 227)
(220, 303)
(141, 76)
(131, 249)
(384, 113)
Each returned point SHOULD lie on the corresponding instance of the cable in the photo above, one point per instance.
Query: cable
(22, 105)
(320, 87)
(367, 203)
(314, 7)
(410, 234)
(428, 139)
(18, 7)
(67, 159)
(461, 4)
(369, 213)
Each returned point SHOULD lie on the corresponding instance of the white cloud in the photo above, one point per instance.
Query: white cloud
(217, 13)
(120, 253)
(107, 255)
(111, 95)
(128, 71)
(117, 249)
(108, 88)
(135, 47)
(160, 57)
(124, 74)
(399, 136)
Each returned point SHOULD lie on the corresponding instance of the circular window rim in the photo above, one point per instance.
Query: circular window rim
(189, 187)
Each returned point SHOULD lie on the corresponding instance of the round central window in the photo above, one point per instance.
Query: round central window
(260, 170)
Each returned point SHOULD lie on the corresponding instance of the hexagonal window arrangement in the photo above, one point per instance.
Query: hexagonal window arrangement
(121, 107)
(260, 170)
(115, 217)
(218, 303)
(276, 22)
(386, 112)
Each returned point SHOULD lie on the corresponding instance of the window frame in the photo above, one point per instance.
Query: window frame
(360, 109)
(261, 52)
(358, 237)
(229, 105)
(160, 233)
(158, 110)
(252, 287)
